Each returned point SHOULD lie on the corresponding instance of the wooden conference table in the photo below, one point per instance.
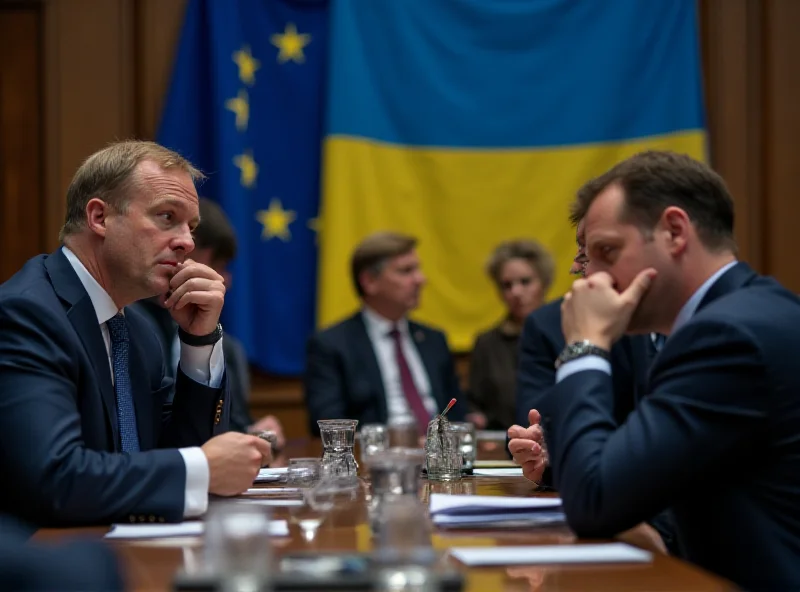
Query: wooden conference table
(151, 565)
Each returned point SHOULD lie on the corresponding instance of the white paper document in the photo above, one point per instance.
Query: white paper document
(268, 475)
(271, 491)
(551, 554)
(486, 511)
(499, 472)
(463, 504)
(194, 528)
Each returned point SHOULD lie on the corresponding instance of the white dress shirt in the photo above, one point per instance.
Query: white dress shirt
(378, 329)
(686, 313)
(205, 364)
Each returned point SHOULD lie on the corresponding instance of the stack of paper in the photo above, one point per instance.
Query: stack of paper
(195, 528)
(483, 511)
(551, 554)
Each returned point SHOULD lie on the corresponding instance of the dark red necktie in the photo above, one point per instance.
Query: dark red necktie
(407, 381)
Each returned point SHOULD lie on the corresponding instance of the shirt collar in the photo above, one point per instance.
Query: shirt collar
(104, 306)
(380, 326)
(691, 305)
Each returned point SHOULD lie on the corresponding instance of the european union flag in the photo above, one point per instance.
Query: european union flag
(245, 106)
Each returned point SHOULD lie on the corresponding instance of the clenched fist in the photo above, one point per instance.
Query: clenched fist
(234, 460)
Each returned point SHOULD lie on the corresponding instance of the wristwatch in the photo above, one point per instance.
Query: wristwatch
(200, 340)
(581, 349)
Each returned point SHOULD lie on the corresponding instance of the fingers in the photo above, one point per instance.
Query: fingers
(203, 300)
(195, 284)
(639, 286)
(516, 431)
(191, 269)
(264, 448)
(534, 417)
(525, 450)
(531, 433)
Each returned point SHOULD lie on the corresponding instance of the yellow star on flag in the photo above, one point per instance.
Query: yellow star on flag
(247, 65)
(276, 221)
(290, 44)
(248, 167)
(241, 107)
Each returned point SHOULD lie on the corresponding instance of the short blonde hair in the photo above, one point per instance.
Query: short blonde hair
(109, 175)
(374, 252)
(528, 250)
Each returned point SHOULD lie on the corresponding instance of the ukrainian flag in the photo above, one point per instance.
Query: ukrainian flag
(469, 122)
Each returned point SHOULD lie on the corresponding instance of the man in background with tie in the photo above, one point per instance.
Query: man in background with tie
(377, 365)
(86, 433)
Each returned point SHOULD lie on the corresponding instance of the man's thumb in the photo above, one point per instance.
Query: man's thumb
(534, 417)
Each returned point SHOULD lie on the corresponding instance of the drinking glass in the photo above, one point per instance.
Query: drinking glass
(338, 439)
(465, 434)
(442, 457)
(374, 438)
(237, 546)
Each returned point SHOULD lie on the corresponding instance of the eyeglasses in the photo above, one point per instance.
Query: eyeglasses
(583, 261)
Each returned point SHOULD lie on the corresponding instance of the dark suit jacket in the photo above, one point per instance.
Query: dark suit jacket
(541, 343)
(717, 438)
(78, 565)
(343, 378)
(59, 439)
(237, 369)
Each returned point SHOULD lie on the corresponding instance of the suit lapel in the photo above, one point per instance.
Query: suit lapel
(82, 315)
(366, 354)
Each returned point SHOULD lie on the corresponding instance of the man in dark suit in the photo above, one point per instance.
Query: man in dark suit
(82, 566)
(540, 345)
(85, 433)
(215, 246)
(715, 438)
(377, 365)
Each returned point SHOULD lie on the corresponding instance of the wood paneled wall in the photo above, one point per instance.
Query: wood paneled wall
(86, 72)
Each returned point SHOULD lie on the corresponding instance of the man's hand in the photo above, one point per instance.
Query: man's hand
(528, 448)
(234, 460)
(270, 423)
(595, 311)
(644, 536)
(196, 296)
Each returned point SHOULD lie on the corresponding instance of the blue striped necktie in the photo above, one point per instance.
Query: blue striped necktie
(126, 415)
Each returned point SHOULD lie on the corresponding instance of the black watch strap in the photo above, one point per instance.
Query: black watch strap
(581, 349)
(200, 340)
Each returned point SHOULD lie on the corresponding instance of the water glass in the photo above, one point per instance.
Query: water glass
(393, 472)
(237, 546)
(374, 438)
(303, 472)
(403, 432)
(403, 535)
(465, 434)
(442, 456)
(338, 439)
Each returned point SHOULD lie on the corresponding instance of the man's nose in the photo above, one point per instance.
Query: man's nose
(184, 241)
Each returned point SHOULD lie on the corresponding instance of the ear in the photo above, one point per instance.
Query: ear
(368, 283)
(97, 211)
(675, 221)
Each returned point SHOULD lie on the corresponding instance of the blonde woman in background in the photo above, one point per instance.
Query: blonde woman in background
(523, 271)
